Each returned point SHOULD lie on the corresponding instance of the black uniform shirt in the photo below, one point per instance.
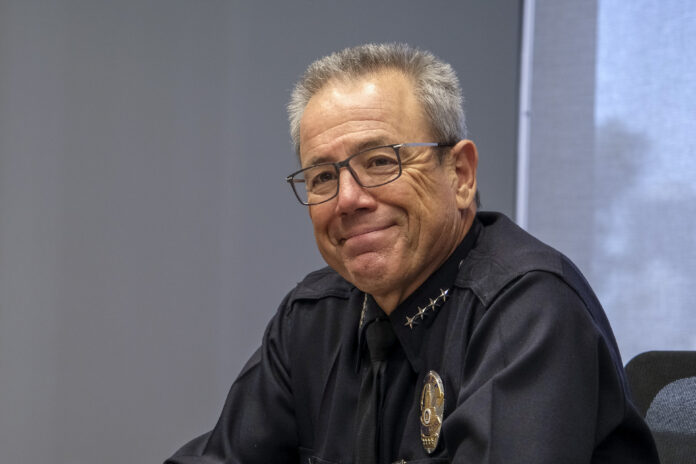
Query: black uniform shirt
(529, 365)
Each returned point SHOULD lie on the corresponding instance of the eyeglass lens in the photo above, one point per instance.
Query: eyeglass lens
(370, 168)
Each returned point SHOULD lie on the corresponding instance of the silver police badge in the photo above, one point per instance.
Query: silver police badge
(432, 406)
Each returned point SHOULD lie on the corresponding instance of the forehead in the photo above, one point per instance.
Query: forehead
(346, 114)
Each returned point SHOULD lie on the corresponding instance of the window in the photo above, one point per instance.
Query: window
(612, 158)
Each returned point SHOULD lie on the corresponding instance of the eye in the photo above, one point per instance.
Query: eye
(320, 177)
(381, 160)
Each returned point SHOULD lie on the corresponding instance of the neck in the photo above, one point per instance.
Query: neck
(388, 301)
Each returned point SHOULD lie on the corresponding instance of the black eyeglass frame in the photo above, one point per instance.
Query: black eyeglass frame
(290, 179)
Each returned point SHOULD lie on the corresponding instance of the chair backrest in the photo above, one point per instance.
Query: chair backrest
(663, 385)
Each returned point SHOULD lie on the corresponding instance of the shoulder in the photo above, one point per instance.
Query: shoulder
(310, 308)
(503, 253)
(320, 284)
(511, 271)
(320, 296)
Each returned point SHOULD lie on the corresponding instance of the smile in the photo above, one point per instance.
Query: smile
(367, 238)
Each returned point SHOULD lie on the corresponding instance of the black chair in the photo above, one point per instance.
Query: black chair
(663, 385)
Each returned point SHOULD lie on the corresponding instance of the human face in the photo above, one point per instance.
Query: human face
(385, 240)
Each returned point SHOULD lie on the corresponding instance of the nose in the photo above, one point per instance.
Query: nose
(351, 196)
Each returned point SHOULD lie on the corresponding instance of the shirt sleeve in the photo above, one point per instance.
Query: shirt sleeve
(257, 423)
(539, 385)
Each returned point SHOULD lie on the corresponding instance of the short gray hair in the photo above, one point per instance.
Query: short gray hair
(435, 84)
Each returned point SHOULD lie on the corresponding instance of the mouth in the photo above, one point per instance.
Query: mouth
(361, 233)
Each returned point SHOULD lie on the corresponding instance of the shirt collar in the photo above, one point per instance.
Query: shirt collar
(416, 313)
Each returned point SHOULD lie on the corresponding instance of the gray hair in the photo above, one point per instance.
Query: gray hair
(435, 84)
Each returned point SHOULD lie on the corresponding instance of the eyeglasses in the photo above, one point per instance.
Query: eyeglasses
(370, 168)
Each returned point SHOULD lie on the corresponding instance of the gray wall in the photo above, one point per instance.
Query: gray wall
(146, 234)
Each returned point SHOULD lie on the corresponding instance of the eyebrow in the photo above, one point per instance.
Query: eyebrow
(364, 145)
(371, 143)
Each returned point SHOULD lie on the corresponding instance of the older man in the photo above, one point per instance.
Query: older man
(436, 334)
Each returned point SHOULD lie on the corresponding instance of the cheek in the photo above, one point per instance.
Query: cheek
(428, 214)
(321, 227)
(421, 200)
(422, 185)
(321, 234)
(319, 219)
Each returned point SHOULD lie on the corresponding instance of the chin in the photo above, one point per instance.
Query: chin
(371, 286)
(370, 272)
(371, 278)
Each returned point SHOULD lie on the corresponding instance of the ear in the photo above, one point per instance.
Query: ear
(465, 157)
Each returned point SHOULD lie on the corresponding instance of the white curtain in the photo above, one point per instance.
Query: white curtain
(611, 158)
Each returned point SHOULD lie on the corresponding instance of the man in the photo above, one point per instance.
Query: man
(436, 334)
